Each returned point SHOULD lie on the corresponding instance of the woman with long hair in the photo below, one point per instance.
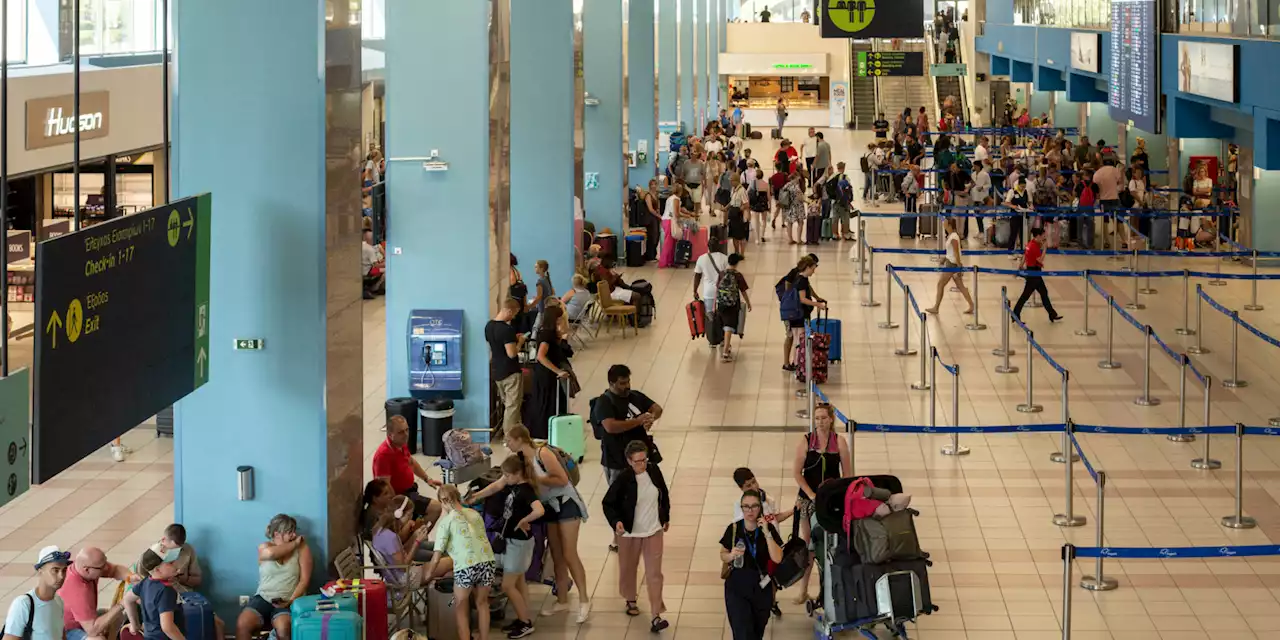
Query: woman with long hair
(738, 214)
(671, 216)
(748, 547)
(822, 456)
(392, 519)
(547, 395)
(463, 548)
(521, 508)
(565, 513)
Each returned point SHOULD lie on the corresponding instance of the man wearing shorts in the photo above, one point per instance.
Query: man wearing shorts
(842, 207)
(392, 461)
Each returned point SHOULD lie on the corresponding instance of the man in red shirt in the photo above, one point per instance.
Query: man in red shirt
(81, 617)
(393, 462)
(1033, 260)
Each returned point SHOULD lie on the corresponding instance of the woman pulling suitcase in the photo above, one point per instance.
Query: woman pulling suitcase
(821, 457)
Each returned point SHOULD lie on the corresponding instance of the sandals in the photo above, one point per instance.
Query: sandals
(932, 312)
(632, 609)
(658, 625)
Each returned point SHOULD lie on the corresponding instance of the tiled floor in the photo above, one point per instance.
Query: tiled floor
(986, 518)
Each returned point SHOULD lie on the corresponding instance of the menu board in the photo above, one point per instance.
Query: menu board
(1134, 91)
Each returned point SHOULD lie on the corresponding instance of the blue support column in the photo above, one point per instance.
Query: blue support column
(700, 27)
(602, 71)
(668, 61)
(687, 117)
(542, 137)
(640, 92)
(440, 243)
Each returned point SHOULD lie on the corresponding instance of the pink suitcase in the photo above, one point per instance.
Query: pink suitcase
(699, 241)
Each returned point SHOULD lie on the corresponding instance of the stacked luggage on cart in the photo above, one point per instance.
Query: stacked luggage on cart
(872, 569)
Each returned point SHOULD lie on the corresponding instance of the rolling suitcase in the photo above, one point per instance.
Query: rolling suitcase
(635, 251)
(327, 625)
(320, 602)
(907, 226)
(824, 325)
(684, 253)
(441, 625)
(566, 431)
(818, 365)
(921, 569)
(826, 229)
(697, 312)
(746, 130)
(371, 595)
(928, 223)
(197, 617)
(775, 134)
(1162, 234)
(898, 595)
(715, 330)
(812, 229)
(849, 592)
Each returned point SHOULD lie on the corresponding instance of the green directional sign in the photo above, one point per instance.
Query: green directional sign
(122, 313)
(15, 448)
(948, 70)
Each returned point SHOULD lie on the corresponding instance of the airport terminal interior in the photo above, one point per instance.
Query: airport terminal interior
(501, 156)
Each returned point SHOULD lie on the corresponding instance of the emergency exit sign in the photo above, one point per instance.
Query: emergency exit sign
(250, 344)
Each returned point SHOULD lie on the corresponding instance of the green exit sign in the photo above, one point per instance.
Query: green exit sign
(793, 65)
(250, 344)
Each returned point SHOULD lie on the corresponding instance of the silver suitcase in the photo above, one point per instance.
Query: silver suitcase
(898, 595)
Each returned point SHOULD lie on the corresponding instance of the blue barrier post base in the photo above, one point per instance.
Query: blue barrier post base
(1000, 352)
(1091, 583)
(904, 352)
(1239, 522)
(1185, 331)
(1253, 307)
(888, 324)
(1064, 521)
(1135, 305)
(1202, 464)
(1030, 408)
(1235, 384)
(1006, 369)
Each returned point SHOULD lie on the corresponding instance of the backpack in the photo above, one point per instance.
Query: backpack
(963, 161)
(727, 289)
(784, 197)
(31, 617)
(570, 465)
(788, 301)
(597, 429)
(864, 163)
(460, 450)
(832, 186)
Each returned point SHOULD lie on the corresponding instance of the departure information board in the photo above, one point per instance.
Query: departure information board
(1134, 93)
(870, 64)
(122, 313)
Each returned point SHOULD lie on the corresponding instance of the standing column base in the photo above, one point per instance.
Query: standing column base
(961, 450)
(1092, 583)
(1086, 332)
(920, 386)
(1030, 408)
(904, 352)
(1254, 307)
(870, 303)
(888, 325)
(1057, 457)
(1206, 465)
(1197, 350)
(1185, 331)
(1108, 364)
(1235, 384)
(1135, 305)
(1063, 520)
(1182, 437)
(975, 326)
(1239, 522)
(1146, 401)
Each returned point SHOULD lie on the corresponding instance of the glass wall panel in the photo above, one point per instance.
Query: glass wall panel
(1080, 14)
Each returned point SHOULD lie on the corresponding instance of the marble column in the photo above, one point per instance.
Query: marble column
(542, 175)
(602, 70)
(687, 99)
(701, 66)
(642, 126)
(285, 246)
(448, 244)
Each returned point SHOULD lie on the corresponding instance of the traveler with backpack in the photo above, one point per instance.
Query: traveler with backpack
(731, 293)
(866, 164)
(822, 456)
(796, 302)
(638, 506)
(565, 513)
(37, 614)
(840, 194)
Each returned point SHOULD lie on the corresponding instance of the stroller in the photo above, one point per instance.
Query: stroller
(858, 596)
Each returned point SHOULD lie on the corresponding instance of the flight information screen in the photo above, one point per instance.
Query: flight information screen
(1134, 95)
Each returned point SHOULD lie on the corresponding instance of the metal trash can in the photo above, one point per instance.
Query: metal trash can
(437, 418)
(406, 408)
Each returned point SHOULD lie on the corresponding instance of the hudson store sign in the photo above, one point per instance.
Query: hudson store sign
(52, 121)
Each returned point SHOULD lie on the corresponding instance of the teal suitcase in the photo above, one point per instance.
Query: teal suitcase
(328, 625)
(339, 602)
(566, 431)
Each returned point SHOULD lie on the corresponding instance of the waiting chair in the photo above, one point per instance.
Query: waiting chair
(407, 606)
(614, 310)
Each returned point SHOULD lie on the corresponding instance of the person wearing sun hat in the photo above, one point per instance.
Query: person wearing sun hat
(37, 614)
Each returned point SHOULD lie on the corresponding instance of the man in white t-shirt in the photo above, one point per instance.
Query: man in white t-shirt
(713, 145)
(706, 274)
(980, 153)
(40, 609)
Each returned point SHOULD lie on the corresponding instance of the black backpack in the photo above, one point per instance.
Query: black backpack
(832, 186)
(864, 164)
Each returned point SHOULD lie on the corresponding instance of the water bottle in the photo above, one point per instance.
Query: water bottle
(737, 562)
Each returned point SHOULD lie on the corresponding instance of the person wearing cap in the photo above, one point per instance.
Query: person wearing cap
(82, 617)
(37, 614)
(160, 607)
(189, 575)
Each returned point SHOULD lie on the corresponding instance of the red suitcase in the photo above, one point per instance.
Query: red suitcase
(372, 595)
(697, 312)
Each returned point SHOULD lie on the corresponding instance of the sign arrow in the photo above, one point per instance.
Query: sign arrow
(23, 448)
(200, 360)
(188, 223)
(55, 323)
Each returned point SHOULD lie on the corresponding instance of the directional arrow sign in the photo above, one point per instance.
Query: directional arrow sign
(15, 464)
(190, 222)
(200, 360)
(55, 323)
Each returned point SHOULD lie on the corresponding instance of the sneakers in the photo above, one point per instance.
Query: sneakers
(584, 610)
(520, 629)
(119, 452)
(555, 607)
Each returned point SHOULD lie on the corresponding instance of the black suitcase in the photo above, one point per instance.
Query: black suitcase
(853, 593)
(775, 134)
(684, 253)
(635, 253)
(812, 230)
(756, 135)
(907, 227)
(921, 569)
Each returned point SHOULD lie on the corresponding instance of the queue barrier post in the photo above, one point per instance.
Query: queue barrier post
(1147, 289)
(1145, 400)
(1065, 449)
(1198, 348)
(1006, 318)
(1068, 557)
(937, 234)
(1068, 517)
(888, 300)
(1086, 331)
(954, 448)
(1238, 520)
(807, 390)
(1185, 329)
(1134, 303)
(906, 349)
(1205, 461)
(1235, 382)
(1110, 362)
(1217, 280)
(871, 282)
(923, 384)
(1253, 287)
(1030, 406)
(976, 325)
(809, 337)
(1184, 363)
(1098, 581)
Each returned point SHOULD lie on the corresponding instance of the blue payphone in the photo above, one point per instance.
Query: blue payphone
(435, 353)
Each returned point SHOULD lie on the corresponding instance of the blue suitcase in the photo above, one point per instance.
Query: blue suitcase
(197, 617)
(824, 324)
(328, 625)
(907, 227)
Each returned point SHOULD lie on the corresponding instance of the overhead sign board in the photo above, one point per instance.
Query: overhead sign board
(52, 121)
(872, 19)
(1133, 94)
(122, 327)
(870, 64)
(948, 70)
